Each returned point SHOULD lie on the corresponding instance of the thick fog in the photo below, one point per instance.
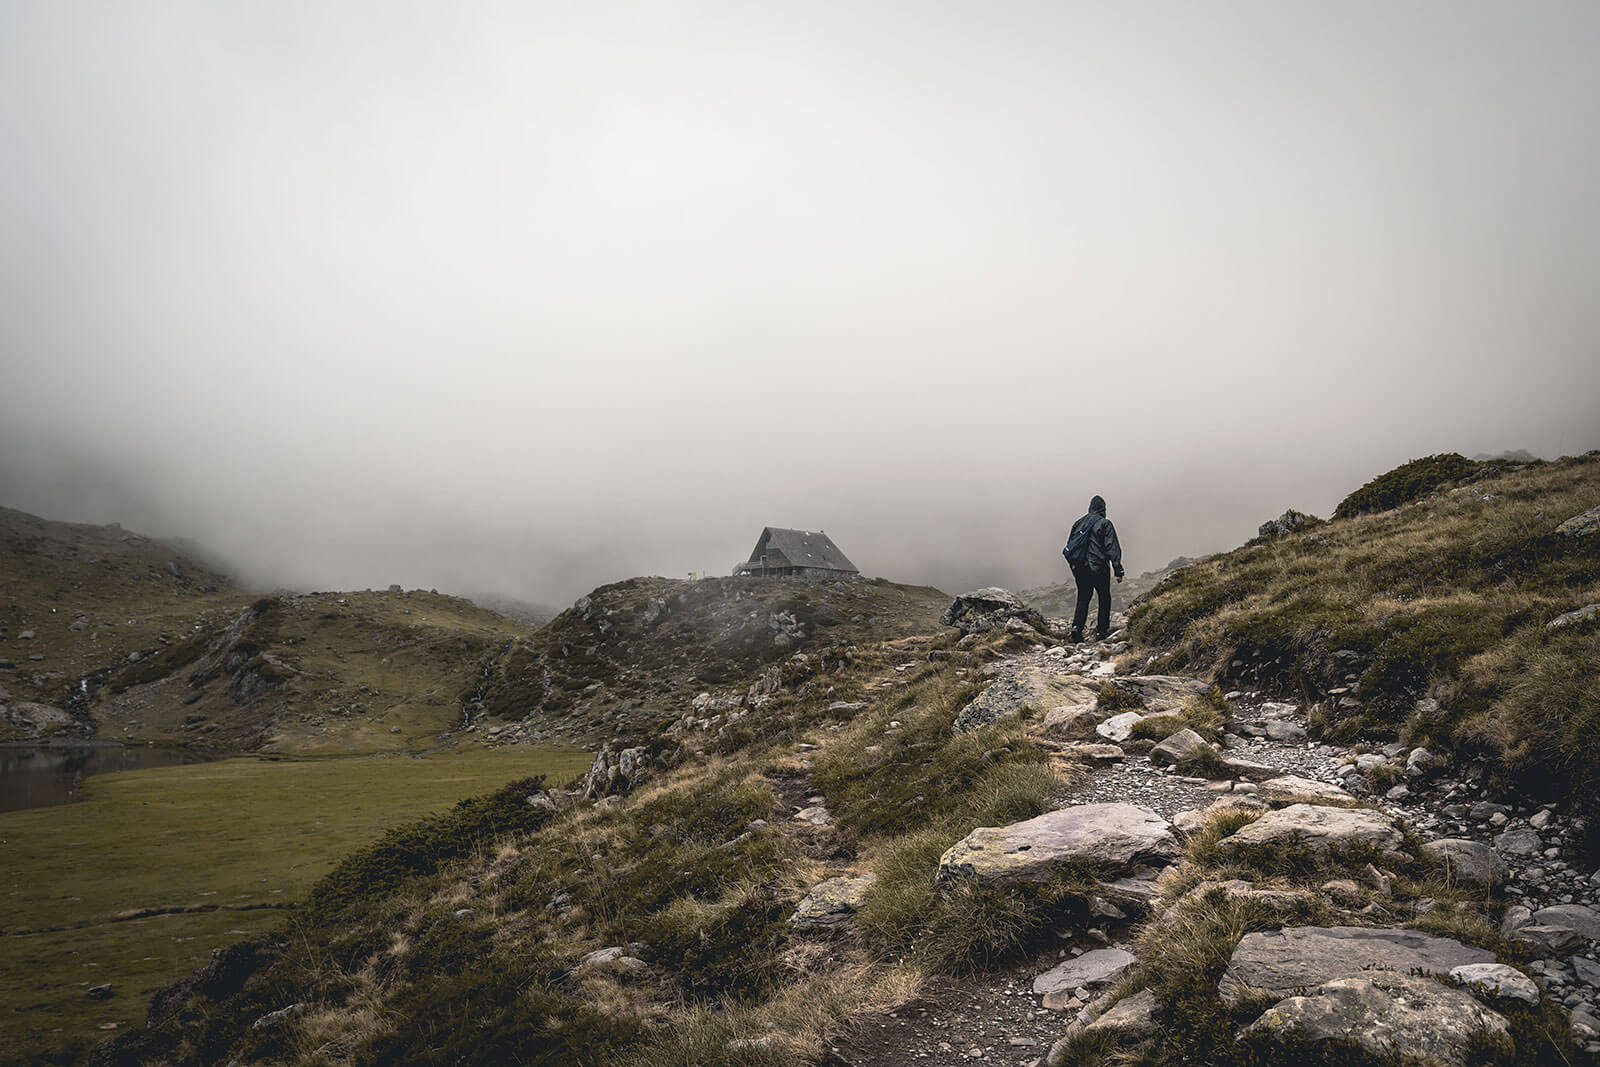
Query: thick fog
(527, 297)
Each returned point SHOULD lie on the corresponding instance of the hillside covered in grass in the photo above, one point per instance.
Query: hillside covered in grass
(1427, 612)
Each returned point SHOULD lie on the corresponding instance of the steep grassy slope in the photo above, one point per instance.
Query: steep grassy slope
(628, 658)
(1426, 621)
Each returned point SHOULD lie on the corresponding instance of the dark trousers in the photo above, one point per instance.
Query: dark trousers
(1093, 580)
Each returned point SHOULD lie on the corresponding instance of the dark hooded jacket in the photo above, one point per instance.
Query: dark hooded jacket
(1103, 545)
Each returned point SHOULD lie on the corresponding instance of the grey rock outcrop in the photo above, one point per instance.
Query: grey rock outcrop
(1584, 525)
(1112, 838)
(1497, 980)
(1180, 747)
(1386, 1014)
(1093, 968)
(1577, 917)
(614, 771)
(1468, 862)
(1297, 957)
(1119, 727)
(1289, 522)
(989, 609)
(830, 903)
(1316, 827)
(1546, 940)
(1587, 613)
(1028, 689)
(1072, 721)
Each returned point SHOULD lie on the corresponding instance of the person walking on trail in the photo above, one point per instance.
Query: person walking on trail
(1093, 552)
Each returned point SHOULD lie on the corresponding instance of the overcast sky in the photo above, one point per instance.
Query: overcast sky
(533, 296)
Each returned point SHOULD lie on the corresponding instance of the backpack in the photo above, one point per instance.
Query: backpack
(1077, 550)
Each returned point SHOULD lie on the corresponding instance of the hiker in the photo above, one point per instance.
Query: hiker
(1093, 552)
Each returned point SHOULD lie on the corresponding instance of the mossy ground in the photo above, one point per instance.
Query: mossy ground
(247, 836)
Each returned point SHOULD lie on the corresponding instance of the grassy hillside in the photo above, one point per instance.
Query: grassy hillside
(1426, 621)
(628, 658)
(316, 673)
(141, 644)
(75, 600)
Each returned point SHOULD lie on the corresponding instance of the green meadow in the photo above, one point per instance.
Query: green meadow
(137, 883)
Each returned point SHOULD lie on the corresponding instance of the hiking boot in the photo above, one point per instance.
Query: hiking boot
(1076, 637)
(1101, 636)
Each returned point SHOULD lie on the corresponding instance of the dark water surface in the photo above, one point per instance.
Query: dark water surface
(37, 776)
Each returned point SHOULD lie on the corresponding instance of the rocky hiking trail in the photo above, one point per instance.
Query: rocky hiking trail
(1126, 810)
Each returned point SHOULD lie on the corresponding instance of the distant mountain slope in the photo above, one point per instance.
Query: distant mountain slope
(77, 599)
(135, 641)
(627, 658)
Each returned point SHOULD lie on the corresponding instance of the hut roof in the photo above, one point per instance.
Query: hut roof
(801, 548)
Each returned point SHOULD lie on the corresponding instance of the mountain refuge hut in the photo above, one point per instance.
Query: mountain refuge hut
(796, 554)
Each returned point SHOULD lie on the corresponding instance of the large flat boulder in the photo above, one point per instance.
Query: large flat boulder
(1028, 689)
(1094, 968)
(1578, 917)
(1299, 957)
(1289, 788)
(1385, 1013)
(1111, 839)
(1317, 827)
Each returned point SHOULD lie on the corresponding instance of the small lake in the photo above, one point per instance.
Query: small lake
(37, 776)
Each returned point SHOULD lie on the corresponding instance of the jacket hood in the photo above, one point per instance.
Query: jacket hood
(1098, 505)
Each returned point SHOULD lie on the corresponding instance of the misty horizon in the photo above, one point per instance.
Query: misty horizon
(527, 299)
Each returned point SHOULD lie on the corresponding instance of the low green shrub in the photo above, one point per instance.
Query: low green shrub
(1406, 483)
(421, 847)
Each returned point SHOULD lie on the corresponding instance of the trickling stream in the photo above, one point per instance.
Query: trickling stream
(474, 703)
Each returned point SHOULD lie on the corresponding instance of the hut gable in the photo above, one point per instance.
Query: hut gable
(797, 552)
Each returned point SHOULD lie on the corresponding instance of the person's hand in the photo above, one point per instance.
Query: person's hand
(1119, 579)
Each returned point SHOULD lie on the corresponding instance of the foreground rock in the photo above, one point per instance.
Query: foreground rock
(830, 903)
(1497, 981)
(1289, 788)
(1584, 525)
(1468, 862)
(1109, 838)
(614, 771)
(1387, 1013)
(1316, 827)
(1298, 957)
(1580, 918)
(1029, 689)
(1093, 968)
(989, 609)
(1181, 747)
